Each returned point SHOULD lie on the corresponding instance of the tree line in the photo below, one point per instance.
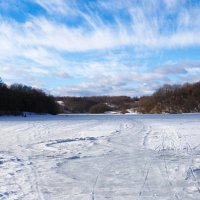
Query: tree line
(17, 98)
(97, 104)
(172, 99)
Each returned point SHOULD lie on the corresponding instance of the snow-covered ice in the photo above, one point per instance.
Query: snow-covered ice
(98, 157)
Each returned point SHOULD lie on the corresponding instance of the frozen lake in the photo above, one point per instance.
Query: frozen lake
(90, 157)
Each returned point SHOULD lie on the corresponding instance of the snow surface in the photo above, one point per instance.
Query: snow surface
(91, 157)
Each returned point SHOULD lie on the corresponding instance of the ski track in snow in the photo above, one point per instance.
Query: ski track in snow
(140, 157)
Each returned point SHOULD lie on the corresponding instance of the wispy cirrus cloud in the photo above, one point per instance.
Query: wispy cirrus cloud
(141, 30)
(124, 38)
(53, 6)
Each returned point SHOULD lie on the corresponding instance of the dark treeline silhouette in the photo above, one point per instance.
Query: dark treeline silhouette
(172, 99)
(97, 104)
(17, 99)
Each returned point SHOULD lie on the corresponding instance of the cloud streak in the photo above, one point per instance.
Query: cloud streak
(140, 30)
(57, 43)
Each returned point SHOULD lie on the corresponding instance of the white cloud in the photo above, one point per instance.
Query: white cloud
(62, 74)
(143, 32)
(38, 46)
(170, 4)
(55, 6)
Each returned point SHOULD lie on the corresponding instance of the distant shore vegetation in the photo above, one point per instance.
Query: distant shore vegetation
(98, 104)
(17, 99)
(172, 99)
(166, 99)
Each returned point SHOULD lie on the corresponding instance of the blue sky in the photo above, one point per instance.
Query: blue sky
(99, 47)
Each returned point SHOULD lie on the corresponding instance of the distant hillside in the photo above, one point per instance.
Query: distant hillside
(167, 99)
(98, 104)
(172, 99)
(17, 98)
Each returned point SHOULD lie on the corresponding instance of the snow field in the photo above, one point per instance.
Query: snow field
(141, 157)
